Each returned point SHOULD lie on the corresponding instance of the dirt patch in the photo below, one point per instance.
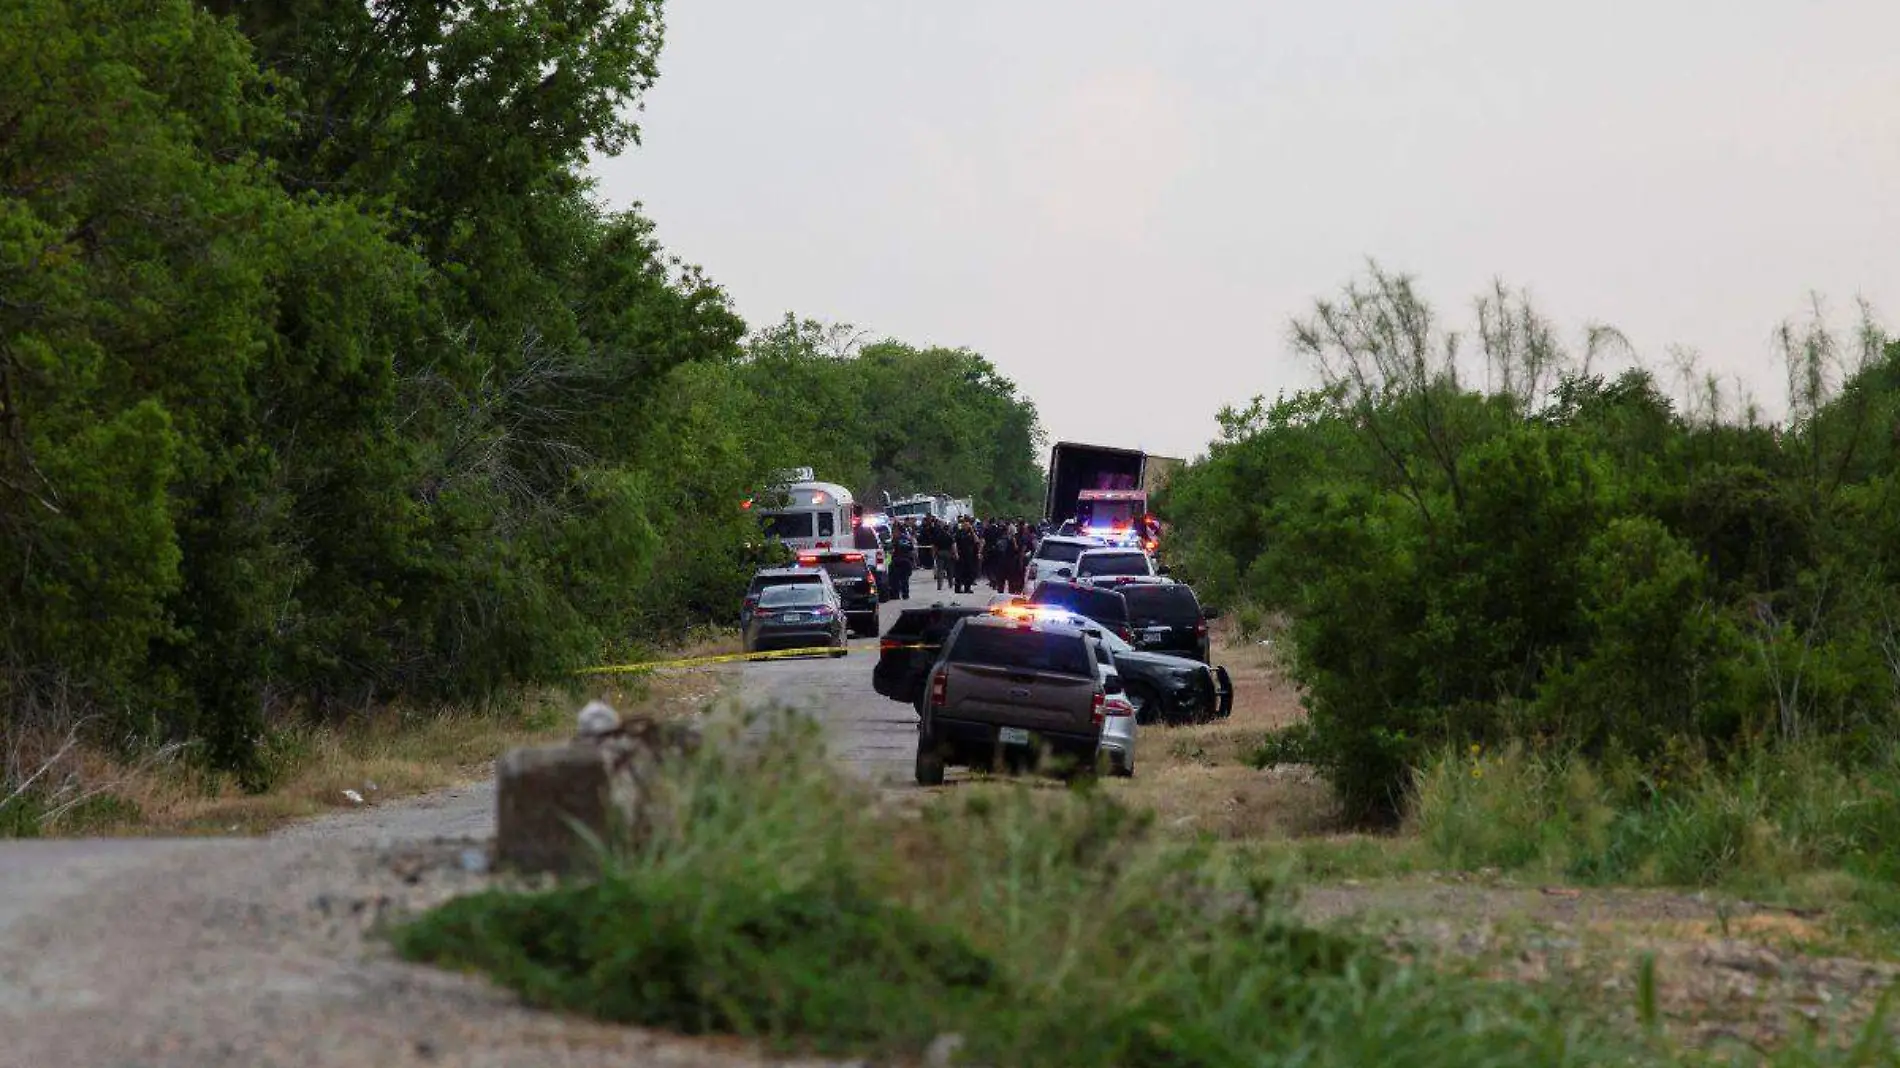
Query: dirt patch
(1726, 972)
(1198, 779)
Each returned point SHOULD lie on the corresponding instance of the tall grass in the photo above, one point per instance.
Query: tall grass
(1760, 819)
(1041, 927)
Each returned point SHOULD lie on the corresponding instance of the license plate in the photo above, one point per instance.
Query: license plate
(793, 617)
(1012, 736)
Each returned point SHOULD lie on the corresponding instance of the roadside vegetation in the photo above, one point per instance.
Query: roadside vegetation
(1512, 548)
(329, 388)
(1028, 926)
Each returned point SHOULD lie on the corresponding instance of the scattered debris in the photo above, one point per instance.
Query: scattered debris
(943, 1050)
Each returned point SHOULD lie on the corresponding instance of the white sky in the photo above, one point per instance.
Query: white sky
(1122, 202)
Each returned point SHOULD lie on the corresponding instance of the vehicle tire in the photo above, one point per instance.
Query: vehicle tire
(1146, 703)
(1122, 769)
(930, 767)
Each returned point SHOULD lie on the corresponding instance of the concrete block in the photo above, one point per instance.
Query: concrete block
(541, 796)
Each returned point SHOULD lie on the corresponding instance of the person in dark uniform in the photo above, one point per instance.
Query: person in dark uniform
(903, 561)
(968, 556)
(994, 536)
(1025, 550)
(943, 547)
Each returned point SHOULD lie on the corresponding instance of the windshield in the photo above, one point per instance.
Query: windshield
(844, 569)
(1102, 606)
(919, 508)
(1028, 650)
(1172, 605)
(1105, 514)
(766, 582)
(1128, 563)
(787, 525)
(1062, 552)
(787, 596)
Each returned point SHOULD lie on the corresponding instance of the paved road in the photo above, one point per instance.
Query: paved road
(870, 735)
(873, 736)
(252, 952)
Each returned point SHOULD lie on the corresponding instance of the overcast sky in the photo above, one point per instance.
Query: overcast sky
(1122, 202)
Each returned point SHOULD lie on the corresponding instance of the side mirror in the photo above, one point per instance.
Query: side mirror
(1065, 572)
(1210, 612)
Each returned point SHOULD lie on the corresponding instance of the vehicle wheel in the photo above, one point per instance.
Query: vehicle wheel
(1145, 702)
(1122, 769)
(929, 764)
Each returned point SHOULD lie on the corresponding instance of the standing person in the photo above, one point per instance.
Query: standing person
(994, 553)
(943, 548)
(1011, 565)
(1025, 549)
(967, 552)
(903, 561)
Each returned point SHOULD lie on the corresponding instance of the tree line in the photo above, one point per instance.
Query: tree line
(1492, 538)
(327, 382)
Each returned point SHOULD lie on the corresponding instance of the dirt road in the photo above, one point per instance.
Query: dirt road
(254, 952)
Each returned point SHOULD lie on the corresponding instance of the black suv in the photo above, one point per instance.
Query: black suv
(911, 646)
(857, 586)
(1155, 615)
(1166, 617)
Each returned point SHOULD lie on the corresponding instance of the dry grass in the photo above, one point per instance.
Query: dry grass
(710, 641)
(1197, 779)
(382, 756)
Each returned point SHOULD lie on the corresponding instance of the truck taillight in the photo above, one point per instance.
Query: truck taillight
(939, 690)
(1200, 628)
(1095, 709)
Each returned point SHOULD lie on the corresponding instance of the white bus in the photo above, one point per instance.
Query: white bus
(814, 516)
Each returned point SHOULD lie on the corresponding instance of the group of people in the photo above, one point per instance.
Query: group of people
(997, 550)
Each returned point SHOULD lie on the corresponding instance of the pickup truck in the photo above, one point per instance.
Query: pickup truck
(1012, 690)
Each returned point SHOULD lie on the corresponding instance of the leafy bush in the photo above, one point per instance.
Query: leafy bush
(1563, 560)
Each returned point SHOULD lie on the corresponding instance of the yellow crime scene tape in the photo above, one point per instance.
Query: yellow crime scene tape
(732, 658)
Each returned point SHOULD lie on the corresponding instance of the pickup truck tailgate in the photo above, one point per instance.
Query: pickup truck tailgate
(1019, 698)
